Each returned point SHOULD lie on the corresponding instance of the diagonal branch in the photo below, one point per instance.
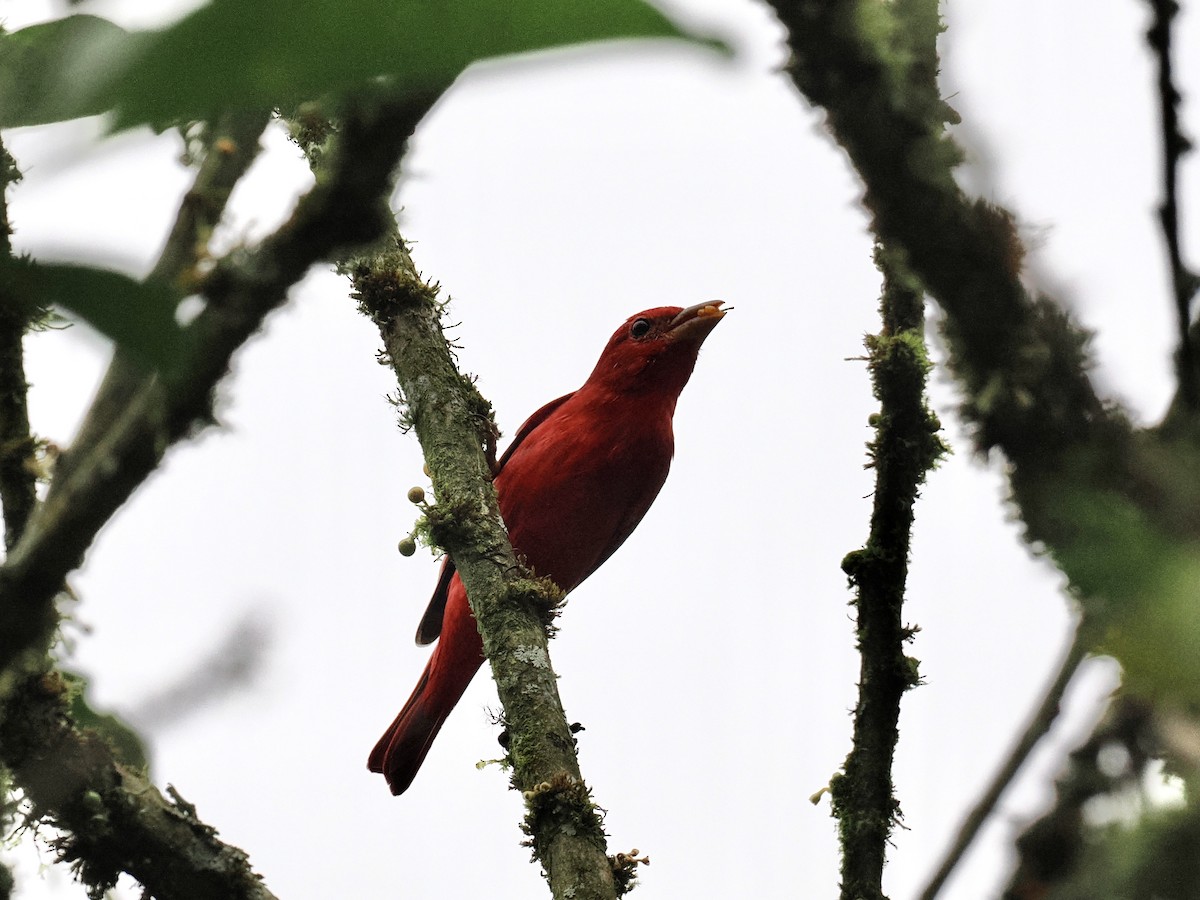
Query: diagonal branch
(453, 424)
(112, 815)
(233, 144)
(1038, 727)
(347, 208)
(112, 819)
(1020, 358)
(1103, 499)
(1053, 851)
(1184, 282)
(1116, 509)
(457, 433)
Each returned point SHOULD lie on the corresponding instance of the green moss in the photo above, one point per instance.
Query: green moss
(543, 595)
(384, 283)
(562, 806)
(447, 524)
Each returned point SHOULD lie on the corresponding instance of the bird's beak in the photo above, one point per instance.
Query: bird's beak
(695, 322)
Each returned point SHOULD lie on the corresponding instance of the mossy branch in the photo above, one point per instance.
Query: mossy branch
(906, 446)
(18, 479)
(18, 487)
(1115, 508)
(114, 820)
(111, 818)
(347, 208)
(1019, 357)
(230, 146)
(454, 426)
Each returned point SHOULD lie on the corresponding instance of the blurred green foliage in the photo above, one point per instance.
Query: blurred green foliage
(276, 53)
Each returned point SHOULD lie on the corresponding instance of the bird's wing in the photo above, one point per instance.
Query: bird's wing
(431, 622)
(527, 429)
(633, 516)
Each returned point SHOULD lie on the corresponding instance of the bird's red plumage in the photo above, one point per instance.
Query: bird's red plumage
(576, 480)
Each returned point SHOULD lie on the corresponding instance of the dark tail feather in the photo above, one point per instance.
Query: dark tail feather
(399, 753)
(401, 750)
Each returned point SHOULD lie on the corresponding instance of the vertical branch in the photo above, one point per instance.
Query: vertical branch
(1184, 282)
(18, 482)
(17, 487)
(906, 446)
(18, 493)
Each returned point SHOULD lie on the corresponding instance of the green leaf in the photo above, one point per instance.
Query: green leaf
(48, 71)
(275, 53)
(138, 315)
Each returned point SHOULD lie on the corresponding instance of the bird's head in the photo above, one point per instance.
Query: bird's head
(655, 350)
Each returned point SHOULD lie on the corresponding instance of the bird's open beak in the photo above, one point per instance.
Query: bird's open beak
(695, 322)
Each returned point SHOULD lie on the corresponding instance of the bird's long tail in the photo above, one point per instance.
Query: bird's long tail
(401, 750)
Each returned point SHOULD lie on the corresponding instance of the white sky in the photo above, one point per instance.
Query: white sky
(711, 660)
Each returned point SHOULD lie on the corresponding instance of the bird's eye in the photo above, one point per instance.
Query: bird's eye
(639, 329)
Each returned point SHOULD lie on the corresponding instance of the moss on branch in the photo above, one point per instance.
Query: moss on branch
(457, 434)
(1113, 506)
(905, 447)
(111, 818)
(1092, 492)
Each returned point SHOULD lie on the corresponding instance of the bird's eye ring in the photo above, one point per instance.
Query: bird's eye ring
(639, 329)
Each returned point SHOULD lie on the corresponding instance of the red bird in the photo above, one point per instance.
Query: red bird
(572, 486)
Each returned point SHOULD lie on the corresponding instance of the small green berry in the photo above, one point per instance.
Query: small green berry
(93, 802)
(407, 546)
(416, 494)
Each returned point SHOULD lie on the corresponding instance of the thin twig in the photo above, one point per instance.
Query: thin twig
(1184, 282)
(233, 144)
(906, 446)
(1052, 852)
(1038, 727)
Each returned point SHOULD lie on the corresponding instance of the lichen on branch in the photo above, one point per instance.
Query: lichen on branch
(454, 426)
